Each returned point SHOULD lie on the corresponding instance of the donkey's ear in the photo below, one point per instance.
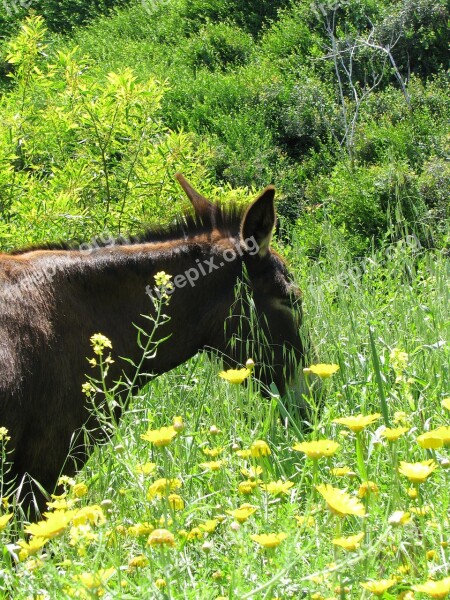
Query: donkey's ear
(201, 205)
(258, 221)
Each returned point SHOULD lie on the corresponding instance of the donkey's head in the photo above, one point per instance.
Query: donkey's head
(265, 320)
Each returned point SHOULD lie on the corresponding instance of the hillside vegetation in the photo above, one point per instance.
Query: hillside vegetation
(343, 106)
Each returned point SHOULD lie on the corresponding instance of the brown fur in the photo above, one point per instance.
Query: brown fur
(53, 299)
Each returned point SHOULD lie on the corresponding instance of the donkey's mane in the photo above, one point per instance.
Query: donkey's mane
(224, 219)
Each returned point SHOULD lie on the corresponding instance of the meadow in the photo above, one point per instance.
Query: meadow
(202, 491)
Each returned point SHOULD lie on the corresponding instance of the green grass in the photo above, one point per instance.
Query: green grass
(401, 296)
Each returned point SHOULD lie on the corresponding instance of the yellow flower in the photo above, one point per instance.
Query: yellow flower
(340, 502)
(213, 465)
(431, 554)
(246, 487)
(349, 543)
(343, 472)
(378, 587)
(55, 523)
(79, 490)
(175, 502)
(4, 437)
(31, 547)
(259, 448)
(446, 403)
(392, 434)
(323, 370)
(444, 433)
(99, 342)
(92, 514)
(435, 589)
(236, 376)
(430, 440)
(244, 453)
(92, 581)
(138, 562)
(399, 517)
(307, 521)
(4, 520)
(417, 472)
(242, 513)
(213, 452)
(421, 511)
(358, 422)
(161, 537)
(269, 540)
(252, 473)
(140, 529)
(209, 526)
(161, 487)
(145, 468)
(317, 449)
(160, 437)
(367, 487)
(277, 487)
(160, 583)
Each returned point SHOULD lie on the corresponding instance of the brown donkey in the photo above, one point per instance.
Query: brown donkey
(53, 299)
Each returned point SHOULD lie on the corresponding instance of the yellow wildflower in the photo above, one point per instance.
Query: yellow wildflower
(235, 376)
(343, 472)
(392, 434)
(138, 562)
(145, 468)
(421, 511)
(209, 526)
(259, 448)
(213, 452)
(161, 537)
(195, 534)
(378, 587)
(277, 487)
(160, 437)
(322, 370)
(349, 543)
(400, 417)
(213, 465)
(176, 502)
(317, 449)
(93, 581)
(307, 521)
(412, 493)
(246, 487)
(92, 514)
(269, 540)
(160, 583)
(435, 589)
(430, 440)
(162, 487)
(431, 554)
(31, 547)
(140, 529)
(244, 453)
(446, 403)
(4, 437)
(252, 473)
(99, 342)
(340, 502)
(444, 433)
(242, 513)
(417, 472)
(79, 490)
(368, 487)
(399, 517)
(4, 520)
(358, 422)
(55, 523)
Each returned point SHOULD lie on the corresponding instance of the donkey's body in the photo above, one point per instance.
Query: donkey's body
(53, 300)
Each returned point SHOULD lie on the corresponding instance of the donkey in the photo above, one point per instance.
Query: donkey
(54, 298)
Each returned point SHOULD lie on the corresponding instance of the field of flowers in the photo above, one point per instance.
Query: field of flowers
(201, 493)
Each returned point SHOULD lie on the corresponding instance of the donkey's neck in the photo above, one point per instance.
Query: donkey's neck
(108, 291)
